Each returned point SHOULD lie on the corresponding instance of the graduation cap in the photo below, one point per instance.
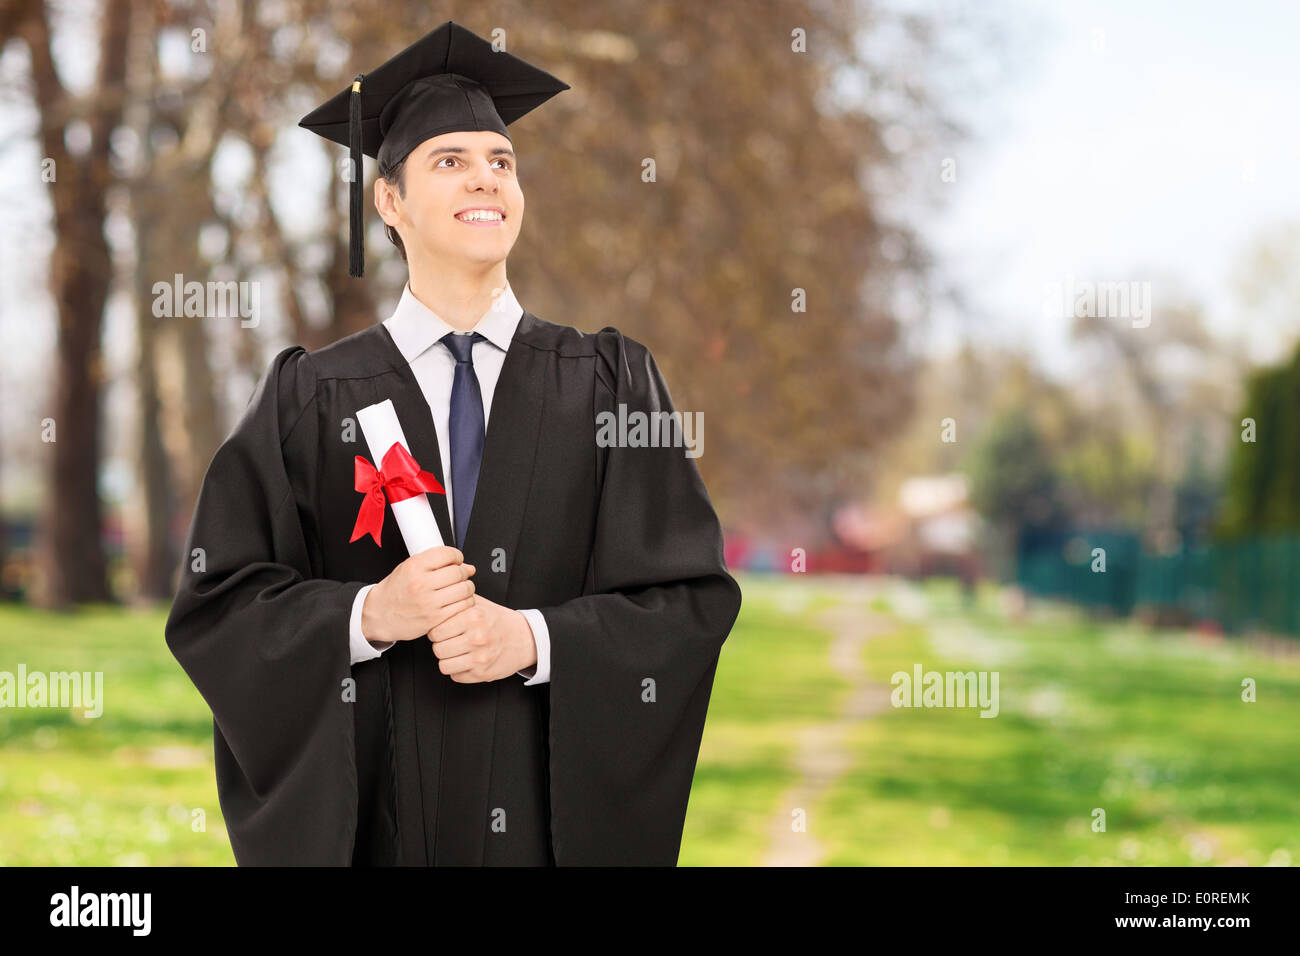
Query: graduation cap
(448, 80)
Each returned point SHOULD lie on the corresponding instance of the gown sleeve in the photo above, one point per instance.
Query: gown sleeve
(633, 658)
(265, 641)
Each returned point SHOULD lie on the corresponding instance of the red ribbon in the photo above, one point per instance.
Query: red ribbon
(400, 476)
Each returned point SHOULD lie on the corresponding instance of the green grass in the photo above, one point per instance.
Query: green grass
(772, 680)
(120, 789)
(1148, 726)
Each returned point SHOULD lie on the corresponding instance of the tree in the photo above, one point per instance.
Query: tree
(72, 558)
(703, 189)
(1263, 485)
(1015, 484)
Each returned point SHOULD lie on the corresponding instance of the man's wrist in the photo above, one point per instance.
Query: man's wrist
(361, 649)
(528, 642)
(371, 626)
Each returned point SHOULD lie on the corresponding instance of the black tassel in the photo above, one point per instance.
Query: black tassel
(356, 229)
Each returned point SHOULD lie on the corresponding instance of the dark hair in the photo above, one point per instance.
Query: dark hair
(397, 176)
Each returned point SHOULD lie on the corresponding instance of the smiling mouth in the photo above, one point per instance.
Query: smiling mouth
(481, 217)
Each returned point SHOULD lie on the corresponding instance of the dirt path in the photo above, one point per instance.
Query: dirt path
(822, 752)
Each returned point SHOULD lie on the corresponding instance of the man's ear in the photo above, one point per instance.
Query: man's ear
(386, 200)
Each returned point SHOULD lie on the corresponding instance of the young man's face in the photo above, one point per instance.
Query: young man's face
(446, 178)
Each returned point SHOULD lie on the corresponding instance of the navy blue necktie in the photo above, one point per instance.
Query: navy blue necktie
(466, 426)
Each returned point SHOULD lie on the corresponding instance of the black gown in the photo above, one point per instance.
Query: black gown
(391, 762)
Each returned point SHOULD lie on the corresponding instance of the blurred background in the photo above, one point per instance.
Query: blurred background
(991, 311)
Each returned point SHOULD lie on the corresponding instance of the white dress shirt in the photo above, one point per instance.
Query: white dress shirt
(417, 330)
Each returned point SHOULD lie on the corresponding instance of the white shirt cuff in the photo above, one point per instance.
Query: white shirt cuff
(362, 650)
(541, 672)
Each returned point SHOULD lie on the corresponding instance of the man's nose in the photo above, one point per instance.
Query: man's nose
(483, 174)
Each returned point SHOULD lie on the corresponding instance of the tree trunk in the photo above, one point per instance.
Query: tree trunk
(156, 559)
(72, 560)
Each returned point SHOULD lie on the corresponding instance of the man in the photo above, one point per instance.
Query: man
(534, 694)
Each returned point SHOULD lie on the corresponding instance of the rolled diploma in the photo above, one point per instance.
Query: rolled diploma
(414, 515)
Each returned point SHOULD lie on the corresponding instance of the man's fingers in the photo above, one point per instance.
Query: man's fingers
(433, 558)
(451, 610)
(451, 574)
(456, 665)
(452, 647)
(453, 626)
(451, 594)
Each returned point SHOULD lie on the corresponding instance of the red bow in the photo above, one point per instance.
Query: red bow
(400, 476)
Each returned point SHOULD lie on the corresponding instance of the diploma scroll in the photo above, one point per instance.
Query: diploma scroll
(414, 515)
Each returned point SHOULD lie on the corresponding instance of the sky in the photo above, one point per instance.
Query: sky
(1130, 141)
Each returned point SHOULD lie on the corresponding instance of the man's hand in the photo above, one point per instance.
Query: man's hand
(483, 643)
(422, 592)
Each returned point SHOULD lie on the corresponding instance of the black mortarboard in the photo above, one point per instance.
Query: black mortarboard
(446, 81)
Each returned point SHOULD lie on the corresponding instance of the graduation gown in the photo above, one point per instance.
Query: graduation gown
(391, 762)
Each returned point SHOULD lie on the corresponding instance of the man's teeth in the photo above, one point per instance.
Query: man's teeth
(480, 215)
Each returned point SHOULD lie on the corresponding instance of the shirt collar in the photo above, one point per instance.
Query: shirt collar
(415, 327)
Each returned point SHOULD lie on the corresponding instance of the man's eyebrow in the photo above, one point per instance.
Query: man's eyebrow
(459, 150)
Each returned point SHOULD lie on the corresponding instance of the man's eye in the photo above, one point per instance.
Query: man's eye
(454, 159)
